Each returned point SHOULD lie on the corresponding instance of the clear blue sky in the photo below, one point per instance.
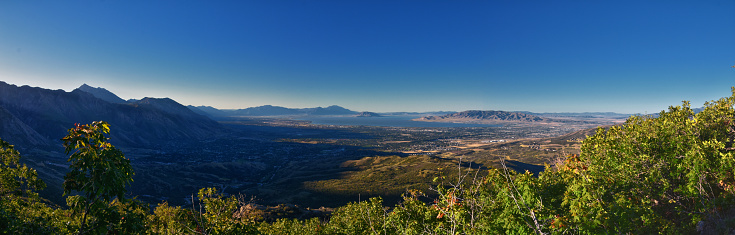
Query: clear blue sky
(542, 56)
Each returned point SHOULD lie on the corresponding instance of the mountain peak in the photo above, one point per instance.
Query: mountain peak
(101, 93)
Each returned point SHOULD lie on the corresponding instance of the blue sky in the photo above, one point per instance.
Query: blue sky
(542, 56)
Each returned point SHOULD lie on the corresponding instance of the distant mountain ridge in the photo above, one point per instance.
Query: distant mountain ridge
(270, 110)
(265, 110)
(368, 114)
(38, 117)
(478, 116)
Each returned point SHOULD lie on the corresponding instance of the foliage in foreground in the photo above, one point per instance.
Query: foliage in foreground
(671, 174)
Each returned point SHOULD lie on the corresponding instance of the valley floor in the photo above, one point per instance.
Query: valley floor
(279, 161)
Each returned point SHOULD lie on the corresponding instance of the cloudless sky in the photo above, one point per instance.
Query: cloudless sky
(541, 56)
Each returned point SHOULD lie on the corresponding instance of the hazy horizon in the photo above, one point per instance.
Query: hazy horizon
(379, 56)
(328, 105)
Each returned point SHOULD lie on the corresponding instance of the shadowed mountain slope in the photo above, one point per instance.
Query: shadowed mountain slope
(51, 112)
(13, 130)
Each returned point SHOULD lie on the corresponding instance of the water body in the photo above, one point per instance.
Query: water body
(387, 121)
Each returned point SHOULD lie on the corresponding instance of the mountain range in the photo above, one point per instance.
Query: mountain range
(269, 110)
(35, 117)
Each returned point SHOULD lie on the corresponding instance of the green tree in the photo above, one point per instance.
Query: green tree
(365, 217)
(171, 220)
(293, 227)
(218, 216)
(15, 178)
(21, 210)
(669, 173)
(99, 173)
(413, 217)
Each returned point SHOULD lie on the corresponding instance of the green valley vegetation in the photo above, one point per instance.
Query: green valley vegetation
(673, 173)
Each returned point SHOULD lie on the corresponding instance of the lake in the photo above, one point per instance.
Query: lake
(387, 121)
